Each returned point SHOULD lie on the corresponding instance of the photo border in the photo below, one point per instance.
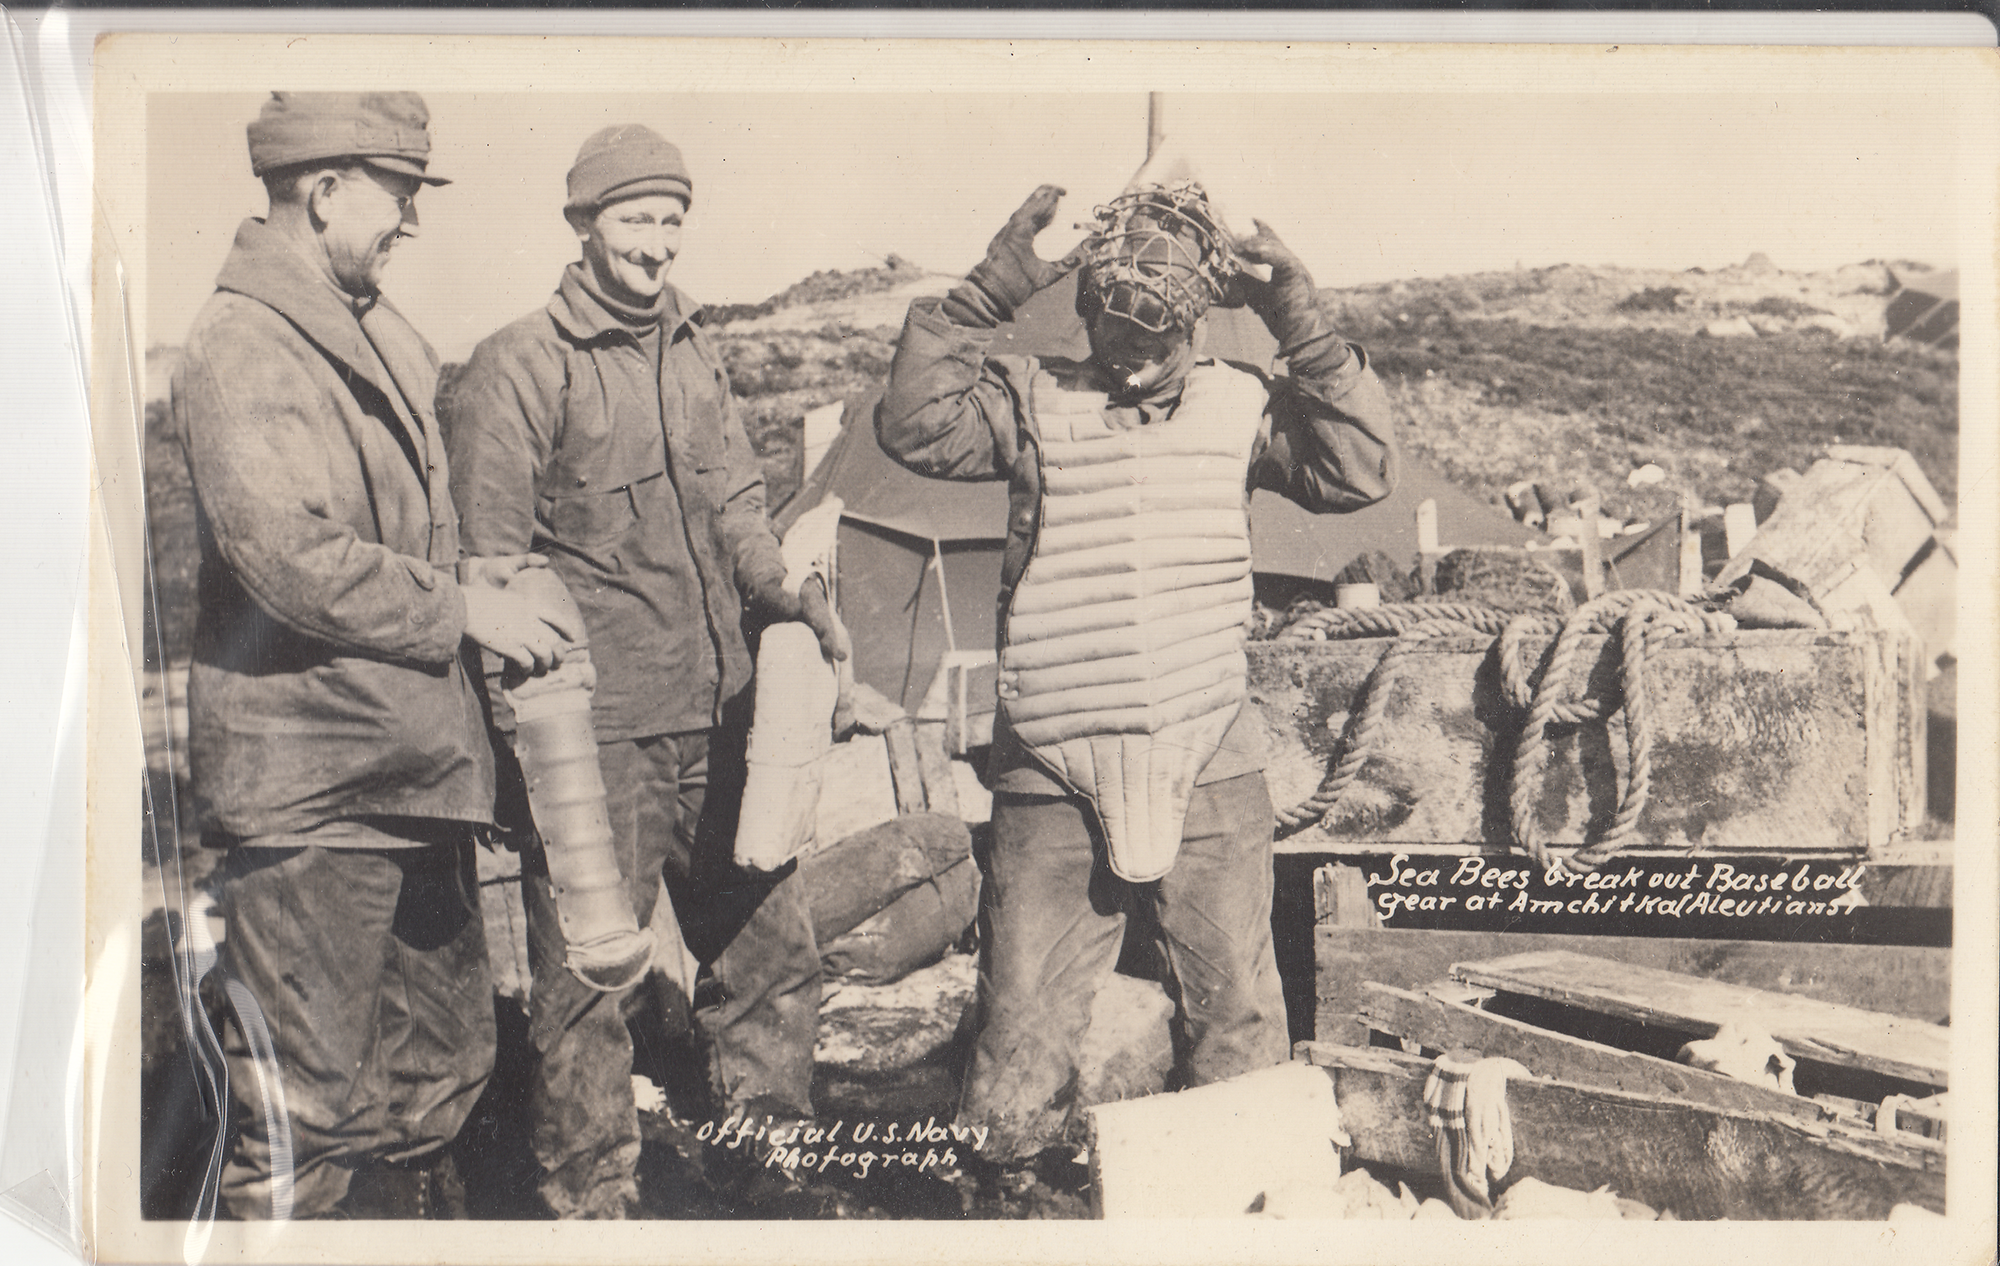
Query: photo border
(129, 66)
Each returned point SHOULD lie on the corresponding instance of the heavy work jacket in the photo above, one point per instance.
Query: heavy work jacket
(953, 411)
(330, 678)
(622, 458)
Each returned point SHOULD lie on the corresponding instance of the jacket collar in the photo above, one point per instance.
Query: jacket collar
(265, 266)
(581, 316)
(1157, 404)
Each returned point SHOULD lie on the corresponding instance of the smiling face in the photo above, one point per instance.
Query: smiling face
(1136, 359)
(629, 246)
(363, 211)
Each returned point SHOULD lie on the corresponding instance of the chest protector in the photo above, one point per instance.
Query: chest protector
(1123, 663)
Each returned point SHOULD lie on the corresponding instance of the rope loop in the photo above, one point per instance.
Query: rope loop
(1364, 720)
(1547, 694)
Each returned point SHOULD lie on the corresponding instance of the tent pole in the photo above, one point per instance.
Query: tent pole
(944, 596)
(1156, 123)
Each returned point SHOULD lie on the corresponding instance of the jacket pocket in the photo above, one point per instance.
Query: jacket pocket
(712, 486)
(587, 520)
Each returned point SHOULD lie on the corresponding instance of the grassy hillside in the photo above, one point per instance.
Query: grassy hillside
(781, 376)
(1494, 401)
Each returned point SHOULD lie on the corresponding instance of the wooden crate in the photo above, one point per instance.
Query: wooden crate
(1602, 1101)
(1782, 740)
(1689, 1159)
(1858, 504)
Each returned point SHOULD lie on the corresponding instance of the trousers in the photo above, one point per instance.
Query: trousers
(672, 802)
(1052, 921)
(364, 1027)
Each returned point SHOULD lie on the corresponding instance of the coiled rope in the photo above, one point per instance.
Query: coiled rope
(1552, 696)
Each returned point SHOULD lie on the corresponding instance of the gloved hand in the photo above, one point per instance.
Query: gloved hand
(530, 626)
(816, 613)
(516, 628)
(1011, 271)
(498, 572)
(773, 603)
(1288, 304)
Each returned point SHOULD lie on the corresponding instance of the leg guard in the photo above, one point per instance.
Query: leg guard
(790, 734)
(557, 748)
(791, 725)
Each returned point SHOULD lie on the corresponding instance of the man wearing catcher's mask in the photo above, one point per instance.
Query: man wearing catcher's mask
(1128, 764)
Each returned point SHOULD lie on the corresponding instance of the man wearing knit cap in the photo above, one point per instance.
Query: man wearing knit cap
(600, 429)
(335, 727)
(1127, 761)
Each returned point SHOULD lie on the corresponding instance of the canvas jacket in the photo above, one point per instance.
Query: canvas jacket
(628, 466)
(952, 411)
(331, 678)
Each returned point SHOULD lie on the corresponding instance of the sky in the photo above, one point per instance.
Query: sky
(1366, 187)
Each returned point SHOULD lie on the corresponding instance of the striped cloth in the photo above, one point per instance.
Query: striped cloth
(1467, 1097)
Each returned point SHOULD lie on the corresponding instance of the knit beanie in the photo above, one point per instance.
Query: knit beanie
(629, 160)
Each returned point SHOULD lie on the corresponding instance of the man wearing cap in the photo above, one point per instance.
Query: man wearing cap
(336, 731)
(600, 429)
(1127, 762)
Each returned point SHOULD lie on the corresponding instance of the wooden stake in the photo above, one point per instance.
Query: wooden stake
(1692, 581)
(1739, 524)
(1427, 545)
(1587, 512)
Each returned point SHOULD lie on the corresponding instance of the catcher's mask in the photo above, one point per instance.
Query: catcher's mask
(1156, 258)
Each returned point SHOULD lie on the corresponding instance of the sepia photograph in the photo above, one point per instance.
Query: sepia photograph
(749, 634)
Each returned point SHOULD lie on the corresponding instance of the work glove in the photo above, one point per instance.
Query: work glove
(516, 622)
(817, 614)
(1011, 271)
(1288, 304)
(773, 603)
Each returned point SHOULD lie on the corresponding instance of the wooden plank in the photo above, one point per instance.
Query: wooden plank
(1897, 980)
(1807, 1029)
(1441, 1024)
(1697, 1162)
(858, 877)
(940, 791)
(1340, 898)
(1691, 580)
(905, 769)
(1381, 1097)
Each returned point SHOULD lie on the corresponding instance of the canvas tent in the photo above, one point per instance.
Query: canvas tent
(919, 559)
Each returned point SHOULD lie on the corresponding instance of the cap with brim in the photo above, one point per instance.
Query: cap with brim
(389, 130)
(403, 167)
